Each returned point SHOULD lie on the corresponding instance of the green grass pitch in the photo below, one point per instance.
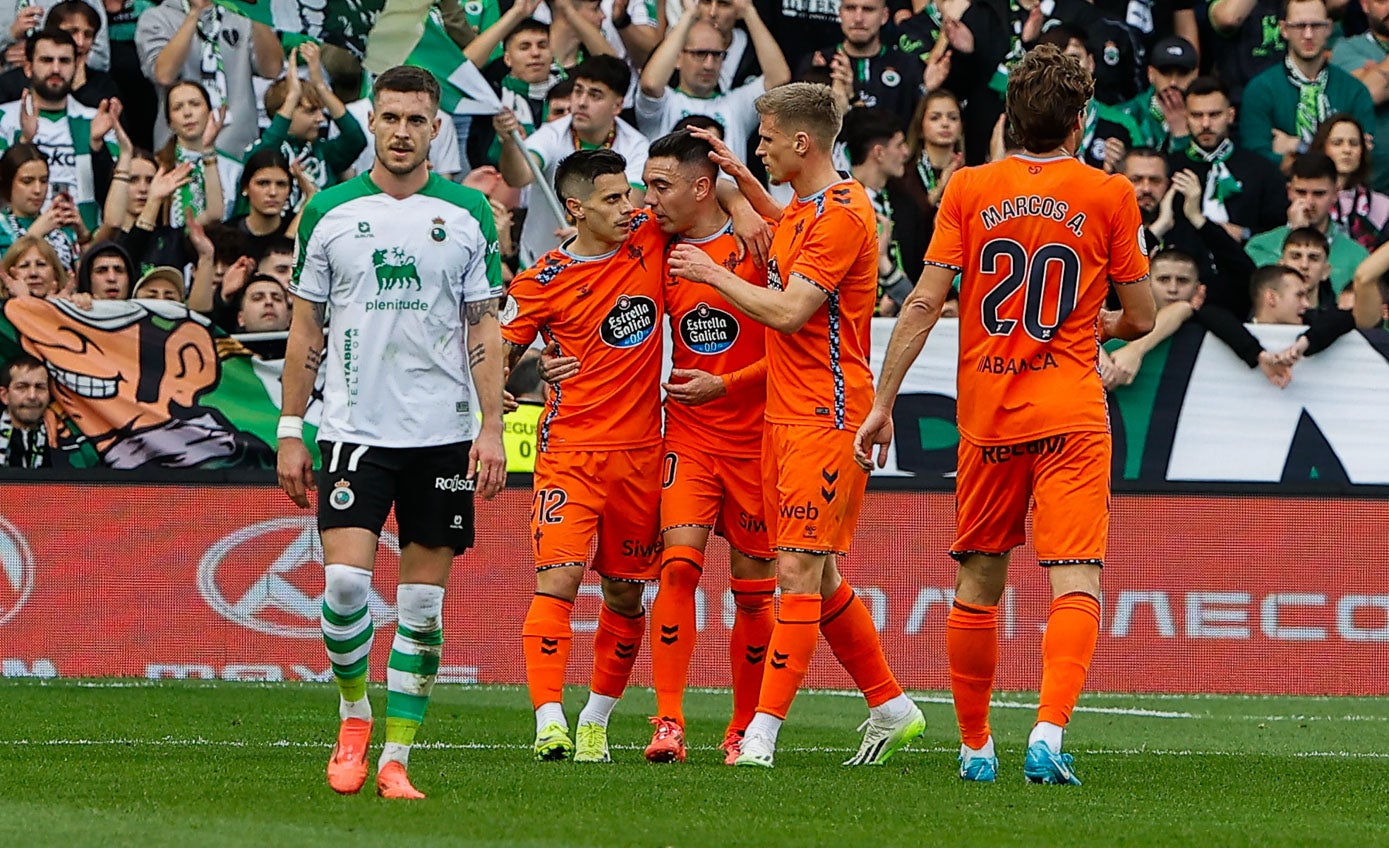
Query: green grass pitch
(106, 763)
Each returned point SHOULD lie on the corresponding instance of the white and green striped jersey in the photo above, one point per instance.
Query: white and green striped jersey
(395, 274)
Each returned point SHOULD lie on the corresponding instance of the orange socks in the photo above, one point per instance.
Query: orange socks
(747, 646)
(1067, 648)
(673, 628)
(546, 638)
(615, 651)
(789, 652)
(851, 634)
(971, 644)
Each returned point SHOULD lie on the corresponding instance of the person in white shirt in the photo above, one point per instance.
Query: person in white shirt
(696, 48)
(599, 84)
(408, 264)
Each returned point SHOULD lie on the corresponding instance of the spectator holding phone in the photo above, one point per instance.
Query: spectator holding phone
(24, 186)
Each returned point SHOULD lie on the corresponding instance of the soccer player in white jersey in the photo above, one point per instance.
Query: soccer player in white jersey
(407, 266)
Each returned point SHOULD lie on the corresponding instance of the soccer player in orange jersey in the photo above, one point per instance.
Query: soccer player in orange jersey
(1038, 238)
(599, 297)
(713, 442)
(822, 284)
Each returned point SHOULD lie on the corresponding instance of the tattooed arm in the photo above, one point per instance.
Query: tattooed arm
(303, 355)
(484, 340)
(304, 352)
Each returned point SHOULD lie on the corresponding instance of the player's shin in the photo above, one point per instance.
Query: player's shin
(971, 645)
(348, 635)
(1068, 646)
(615, 648)
(414, 663)
(788, 658)
(753, 621)
(547, 637)
(673, 628)
(849, 629)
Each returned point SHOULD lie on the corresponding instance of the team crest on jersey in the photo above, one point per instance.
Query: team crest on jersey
(707, 330)
(342, 496)
(1142, 239)
(395, 270)
(437, 232)
(1110, 53)
(629, 323)
(891, 78)
(1097, 150)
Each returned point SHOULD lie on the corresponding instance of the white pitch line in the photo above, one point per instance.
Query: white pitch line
(486, 746)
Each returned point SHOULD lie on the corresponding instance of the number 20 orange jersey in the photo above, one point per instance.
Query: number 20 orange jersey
(1037, 242)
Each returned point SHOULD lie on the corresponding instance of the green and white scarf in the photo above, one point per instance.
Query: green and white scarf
(1017, 14)
(1220, 183)
(62, 239)
(193, 194)
(212, 67)
(1312, 104)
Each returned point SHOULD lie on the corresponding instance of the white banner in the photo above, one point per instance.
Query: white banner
(1205, 415)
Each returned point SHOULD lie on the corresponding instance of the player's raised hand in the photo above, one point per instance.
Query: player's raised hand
(555, 368)
(722, 155)
(689, 262)
(876, 430)
(487, 464)
(753, 234)
(294, 468)
(696, 387)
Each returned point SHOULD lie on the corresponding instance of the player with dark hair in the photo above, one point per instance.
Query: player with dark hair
(596, 297)
(822, 285)
(1039, 238)
(408, 263)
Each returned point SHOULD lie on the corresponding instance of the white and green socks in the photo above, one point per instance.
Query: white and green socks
(419, 642)
(348, 635)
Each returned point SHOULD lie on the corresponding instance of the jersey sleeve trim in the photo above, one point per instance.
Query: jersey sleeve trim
(946, 265)
(1129, 282)
(817, 285)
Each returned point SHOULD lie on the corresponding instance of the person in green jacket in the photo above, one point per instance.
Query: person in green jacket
(298, 122)
(1160, 110)
(1284, 105)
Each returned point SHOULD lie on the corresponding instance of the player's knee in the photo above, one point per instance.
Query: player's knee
(623, 597)
(562, 582)
(420, 606)
(681, 566)
(345, 587)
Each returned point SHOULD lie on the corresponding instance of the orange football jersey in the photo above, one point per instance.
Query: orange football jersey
(606, 311)
(1037, 242)
(818, 376)
(710, 335)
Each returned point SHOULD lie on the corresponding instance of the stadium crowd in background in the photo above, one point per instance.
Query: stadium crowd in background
(183, 138)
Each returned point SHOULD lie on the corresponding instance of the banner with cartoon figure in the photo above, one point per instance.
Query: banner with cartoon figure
(146, 384)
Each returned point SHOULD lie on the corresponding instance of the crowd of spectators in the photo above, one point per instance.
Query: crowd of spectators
(165, 150)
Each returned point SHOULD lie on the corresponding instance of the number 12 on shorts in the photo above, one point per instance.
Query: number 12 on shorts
(548, 503)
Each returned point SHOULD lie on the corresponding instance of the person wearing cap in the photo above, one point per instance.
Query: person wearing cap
(1366, 57)
(162, 283)
(1160, 111)
(1284, 105)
